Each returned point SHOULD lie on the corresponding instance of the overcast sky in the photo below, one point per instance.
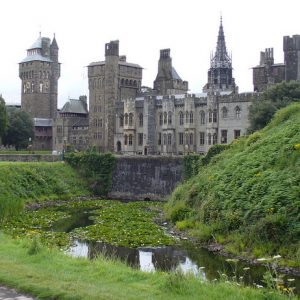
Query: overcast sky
(188, 27)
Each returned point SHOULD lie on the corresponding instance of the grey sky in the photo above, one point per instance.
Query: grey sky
(188, 27)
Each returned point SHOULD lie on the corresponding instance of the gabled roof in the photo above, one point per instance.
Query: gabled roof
(175, 74)
(75, 106)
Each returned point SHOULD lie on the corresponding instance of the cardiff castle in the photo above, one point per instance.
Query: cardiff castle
(121, 115)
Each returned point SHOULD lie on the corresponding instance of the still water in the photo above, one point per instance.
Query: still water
(185, 256)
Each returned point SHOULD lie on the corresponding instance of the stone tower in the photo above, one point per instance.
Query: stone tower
(220, 72)
(167, 80)
(39, 73)
(291, 48)
(110, 81)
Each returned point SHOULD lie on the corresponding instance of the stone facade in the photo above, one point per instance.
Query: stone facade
(268, 73)
(39, 73)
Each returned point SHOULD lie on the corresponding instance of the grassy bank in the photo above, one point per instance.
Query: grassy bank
(247, 198)
(48, 274)
(31, 182)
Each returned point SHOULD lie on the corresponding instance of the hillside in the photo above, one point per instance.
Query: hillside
(27, 182)
(248, 197)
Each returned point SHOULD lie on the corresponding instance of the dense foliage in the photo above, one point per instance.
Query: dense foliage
(251, 190)
(96, 167)
(20, 182)
(3, 118)
(276, 97)
(19, 130)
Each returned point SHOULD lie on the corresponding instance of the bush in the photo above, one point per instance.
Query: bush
(179, 213)
(212, 152)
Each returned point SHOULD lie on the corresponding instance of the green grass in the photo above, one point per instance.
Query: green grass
(32, 182)
(49, 274)
(250, 192)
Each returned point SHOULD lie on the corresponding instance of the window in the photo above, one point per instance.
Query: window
(181, 118)
(209, 139)
(160, 119)
(165, 117)
(215, 116)
(191, 139)
(237, 134)
(215, 138)
(181, 138)
(169, 138)
(121, 120)
(130, 119)
(140, 139)
(141, 120)
(186, 139)
(100, 123)
(165, 139)
(126, 119)
(202, 117)
(159, 139)
(130, 140)
(202, 138)
(125, 139)
(237, 112)
(80, 140)
(209, 116)
(187, 117)
(224, 112)
(169, 118)
(59, 129)
(74, 140)
(223, 136)
(191, 117)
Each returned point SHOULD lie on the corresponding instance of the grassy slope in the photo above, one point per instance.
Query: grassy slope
(51, 275)
(250, 193)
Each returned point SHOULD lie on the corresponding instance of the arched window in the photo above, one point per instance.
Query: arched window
(125, 139)
(215, 116)
(130, 140)
(122, 81)
(191, 139)
(165, 117)
(209, 138)
(126, 82)
(202, 117)
(169, 138)
(237, 112)
(214, 138)
(130, 119)
(121, 120)
(186, 117)
(210, 116)
(160, 119)
(134, 83)
(32, 87)
(130, 82)
(99, 82)
(169, 117)
(224, 112)
(126, 119)
(141, 120)
(181, 118)
(191, 117)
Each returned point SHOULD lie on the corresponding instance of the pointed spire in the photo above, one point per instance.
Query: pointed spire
(221, 57)
(54, 43)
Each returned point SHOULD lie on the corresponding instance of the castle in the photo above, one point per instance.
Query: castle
(126, 118)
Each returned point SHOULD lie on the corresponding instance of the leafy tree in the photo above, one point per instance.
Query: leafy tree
(20, 129)
(3, 118)
(274, 98)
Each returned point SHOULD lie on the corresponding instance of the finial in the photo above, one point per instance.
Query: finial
(54, 35)
(221, 18)
(40, 33)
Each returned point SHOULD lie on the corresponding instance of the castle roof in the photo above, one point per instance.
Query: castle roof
(37, 44)
(81, 123)
(34, 57)
(75, 106)
(122, 63)
(39, 122)
(175, 74)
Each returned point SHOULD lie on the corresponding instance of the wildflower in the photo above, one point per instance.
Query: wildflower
(291, 279)
(259, 286)
(258, 174)
(297, 146)
(263, 259)
(246, 268)
(276, 256)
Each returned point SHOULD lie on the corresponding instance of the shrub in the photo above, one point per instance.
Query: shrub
(213, 151)
(179, 213)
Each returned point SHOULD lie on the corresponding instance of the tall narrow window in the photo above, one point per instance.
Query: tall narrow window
(202, 117)
(209, 116)
(237, 134)
(215, 138)
(159, 138)
(125, 139)
(141, 120)
(191, 139)
(165, 139)
(160, 119)
(169, 138)
(181, 118)
(237, 112)
(121, 120)
(187, 117)
(169, 118)
(209, 138)
(126, 119)
(202, 138)
(224, 136)
(165, 117)
(130, 119)
(215, 116)
(140, 139)
(130, 140)
(191, 117)
(180, 138)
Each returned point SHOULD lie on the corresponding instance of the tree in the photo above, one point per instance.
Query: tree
(20, 129)
(3, 118)
(278, 96)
